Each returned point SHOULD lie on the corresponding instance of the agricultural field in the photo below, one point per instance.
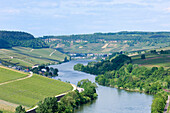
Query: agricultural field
(152, 60)
(8, 75)
(29, 91)
(28, 57)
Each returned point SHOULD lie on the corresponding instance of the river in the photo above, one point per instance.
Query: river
(110, 100)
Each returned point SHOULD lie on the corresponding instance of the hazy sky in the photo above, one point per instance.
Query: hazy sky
(56, 17)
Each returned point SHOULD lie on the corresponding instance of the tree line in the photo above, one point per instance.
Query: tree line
(10, 39)
(122, 74)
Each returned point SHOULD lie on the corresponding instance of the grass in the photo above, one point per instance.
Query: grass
(153, 60)
(28, 57)
(30, 91)
(8, 75)
(5, 111)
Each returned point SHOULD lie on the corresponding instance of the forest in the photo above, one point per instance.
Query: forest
(10, 39)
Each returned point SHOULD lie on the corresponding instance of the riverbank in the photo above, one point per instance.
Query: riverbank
(109, 99)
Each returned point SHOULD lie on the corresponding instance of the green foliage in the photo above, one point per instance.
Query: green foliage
(150, 81)
(49, 105)
(1, 111)
(89, 88)
(70, 101)
(50, 72)
(10, 39)
(104, 66)
(143, 56)
(20, 109)
(158, 103)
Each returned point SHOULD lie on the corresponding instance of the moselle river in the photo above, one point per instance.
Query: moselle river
(110, 100)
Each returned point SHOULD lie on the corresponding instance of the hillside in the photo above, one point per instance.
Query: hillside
(6, 75)
(109, 42)
(28, 91)
(10, 39)
(22, 56)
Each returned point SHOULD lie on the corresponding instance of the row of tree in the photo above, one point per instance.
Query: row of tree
(68, 102)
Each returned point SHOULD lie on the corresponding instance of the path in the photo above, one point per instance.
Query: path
(52, 53)
(32, 110)
(167, 104)
(31, 73)
(105, 46)
(31, 50)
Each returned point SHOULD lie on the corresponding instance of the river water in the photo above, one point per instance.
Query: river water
(110, 100)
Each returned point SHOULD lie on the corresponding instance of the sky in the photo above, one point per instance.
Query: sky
(65, 17)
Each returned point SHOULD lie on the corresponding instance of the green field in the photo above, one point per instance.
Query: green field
(29, 91)
(28, 57)
(8, 75)
(153, 60)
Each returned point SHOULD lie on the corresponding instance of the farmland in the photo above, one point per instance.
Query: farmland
(8, 75)
(151, 60)
(28, 92)
(28, 57)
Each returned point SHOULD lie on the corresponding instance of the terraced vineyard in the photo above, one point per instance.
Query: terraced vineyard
(28, 57)
(151, 60)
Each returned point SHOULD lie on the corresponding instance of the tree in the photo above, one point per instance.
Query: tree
(143, 56)
(129, 68)
(49, 105)
(65, 59)
(55, 72)
(19, 109)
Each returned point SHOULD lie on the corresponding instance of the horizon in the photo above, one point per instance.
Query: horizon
(84, 17)
(80, 33)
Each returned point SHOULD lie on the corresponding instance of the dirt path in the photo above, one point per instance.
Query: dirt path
(52, 53)
(31, 73)
(167, 104)
(4, 105)
(31, 50)
(105, 46)
(12, 69)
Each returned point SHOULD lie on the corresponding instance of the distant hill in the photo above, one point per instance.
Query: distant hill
(124, 35)
(10, 39)
(109, 42)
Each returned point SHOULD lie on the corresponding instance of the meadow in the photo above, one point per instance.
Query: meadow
(8, 75)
